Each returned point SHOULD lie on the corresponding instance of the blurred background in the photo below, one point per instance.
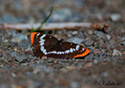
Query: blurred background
(105, 63)
(13, 11)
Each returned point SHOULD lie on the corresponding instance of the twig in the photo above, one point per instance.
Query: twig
(56, 26)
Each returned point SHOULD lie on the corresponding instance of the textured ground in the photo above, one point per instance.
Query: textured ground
(103, 67)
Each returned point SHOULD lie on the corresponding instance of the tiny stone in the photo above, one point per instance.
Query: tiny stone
(103, 52)
(115, 17)
(18, 38)
(101, 42)
(101, 34)
(74, 85)
(97, 51)
(88, 65)
(69, 35)
(13, 74)
(111, 43)
(15, 49)
(24, 43)
(123, 52)
(116, 52)
(36, 71)
(19, 58)
(123, 38)
(13, 54)
(75, 40)
(90, 32)
(50, 61)
(74, 32)
(70, 68)
(95, 61)
(100, 59)
(28, 51)
(6, 40)
(55, 62)
(123, 43)
(105, 74)
(108, 37)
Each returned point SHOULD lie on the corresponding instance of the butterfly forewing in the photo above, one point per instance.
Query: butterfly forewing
(36, 46)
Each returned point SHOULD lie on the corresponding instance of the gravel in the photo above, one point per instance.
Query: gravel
(19, 68)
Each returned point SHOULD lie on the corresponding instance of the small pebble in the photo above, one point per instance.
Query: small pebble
(13, 74)
(97, 51)
(18, 38)
(115, 17)
(50, 61)
(75, 40)
(36, 71)
(89, 42)
(88, 65)
(100, 59)
(95, 61)
(5, 40)
(108, 37)
(74, 32)
(74, 85)
(70, 68)
(123, 38)
(101, 34)
(105, 74)
(89, 57)
(19, 58)
(101, 43)
(123, 52)
(90, 32)
(69, 35)
(28, 51)
(24, 43)
(103, 52)
(116, 52)
(123, 43)
(15, 49)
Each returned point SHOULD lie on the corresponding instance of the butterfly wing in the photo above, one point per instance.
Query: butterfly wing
(47, 45)
(35, 45)
(57, 52)
(42, 43)
(73, 50)
(68, 50)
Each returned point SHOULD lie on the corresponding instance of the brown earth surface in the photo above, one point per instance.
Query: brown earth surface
(103, 67)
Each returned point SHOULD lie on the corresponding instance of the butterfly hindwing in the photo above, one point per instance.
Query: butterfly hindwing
(57, 52)
(72, 49)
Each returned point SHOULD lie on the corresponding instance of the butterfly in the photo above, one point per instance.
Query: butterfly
(49, 46)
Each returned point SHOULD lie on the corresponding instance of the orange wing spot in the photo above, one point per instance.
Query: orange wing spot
(83, 54)
(32, 37)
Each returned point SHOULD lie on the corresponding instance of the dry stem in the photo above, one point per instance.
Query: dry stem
(56, 26)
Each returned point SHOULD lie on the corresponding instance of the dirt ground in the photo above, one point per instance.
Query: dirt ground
(103, 67)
